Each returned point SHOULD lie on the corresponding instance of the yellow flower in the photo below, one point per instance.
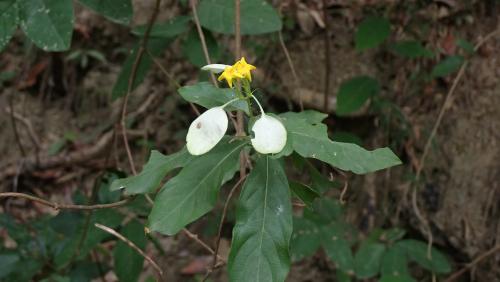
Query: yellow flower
(229, 74)
(244, 68)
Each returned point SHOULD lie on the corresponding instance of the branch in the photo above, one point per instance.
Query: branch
(224, 212)
(133, 74)
(132, 245)
(202, 38)
(171, 78)
(470, 265)
(327, 59)
(292, 68)
(58, 206)
(14, 128)
(203, 244)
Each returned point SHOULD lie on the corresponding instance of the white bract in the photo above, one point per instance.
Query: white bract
(206, 131)
(215, 68)
(270, 135)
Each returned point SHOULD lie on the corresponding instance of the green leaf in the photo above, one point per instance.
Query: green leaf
(466, 45)
(170, 29)
(417, 251)
(24, 270)
(368, 258)
(371, 32)
(306, 238)
(192, 48)
(337, 247)
(311, 141)
(257, 17)
(156, 46)
(153, 172)
(193, 192)
(9, 18)
(342, 276)
(411, 49)
(328, 210)
(84, 271)
(118, 11)
(394, 262)
(397, 278)
(305, 193)
(48, 23)
(128, 263)
(209, 96)
(354, 93)
(7, 263)
(261, 237)
(447, 66)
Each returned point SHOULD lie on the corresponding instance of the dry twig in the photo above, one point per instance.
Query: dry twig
(292, 68)
(202, 38)
(58, 206)
(327, 58)
(223, 217)
(132, 245)
(133, 74)
(470, 265)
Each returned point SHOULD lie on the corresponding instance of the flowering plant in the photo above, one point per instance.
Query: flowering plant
(260, 249)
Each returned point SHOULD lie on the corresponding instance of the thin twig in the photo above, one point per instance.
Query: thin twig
(292, 68)
(58, 206)
(28, 125)
(133, 74)
(187, 232)
(171, 78)
(202, 38)
(446, 102)
(132, 245)
(14, 128)
(223, 217)
(203, 244)
(327, 58)
(470, 265)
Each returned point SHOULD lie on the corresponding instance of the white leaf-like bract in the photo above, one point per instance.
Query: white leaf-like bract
(270, 135)
(206, 131)
(215, 68)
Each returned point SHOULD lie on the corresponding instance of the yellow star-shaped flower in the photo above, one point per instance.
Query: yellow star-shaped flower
(229, 74)
(244, 68)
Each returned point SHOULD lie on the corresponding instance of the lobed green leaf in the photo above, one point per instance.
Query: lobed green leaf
(311, 141)
(153, 172)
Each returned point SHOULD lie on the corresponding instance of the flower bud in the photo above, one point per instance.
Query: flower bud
(270, 135)
(215, 68)
(206, 131)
